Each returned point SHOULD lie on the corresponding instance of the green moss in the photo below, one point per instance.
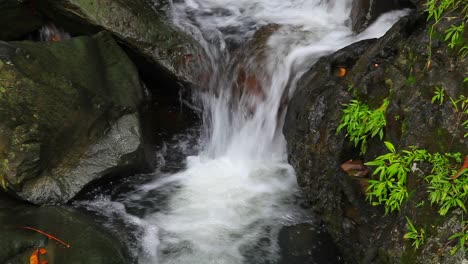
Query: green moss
(404, 127)
(50, 117)
(410, 80)
(389, 84)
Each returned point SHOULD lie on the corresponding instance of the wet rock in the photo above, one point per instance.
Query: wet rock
(364, 12)
(252, 76)
(68, 116)
(17, 19)
(307, 243)
(139, 25)
(89, 242)
(317, 152)
(363, 232)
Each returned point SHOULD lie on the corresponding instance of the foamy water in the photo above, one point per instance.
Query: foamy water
(232, 199)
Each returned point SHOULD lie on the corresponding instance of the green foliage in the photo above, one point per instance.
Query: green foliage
(392, 170)
(462, 238)
(453, 35)
(418, 237)
(447, 188)
(440, 9)
(444, 190)
(460, 106)
(361, 122)
(461, 110)
(439, 95)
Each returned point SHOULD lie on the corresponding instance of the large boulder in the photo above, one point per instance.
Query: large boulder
(68, 116)
(141, 25)
(88, 242)
(394, 66)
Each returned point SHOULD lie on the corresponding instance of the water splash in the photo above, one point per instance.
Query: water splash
(50, 32)
(230, 202)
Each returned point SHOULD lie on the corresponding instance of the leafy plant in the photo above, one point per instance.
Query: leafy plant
(461, 110)
(392, 170)
(453, 34)
(462, 238)
(440, 9)
(444, 190)
(460, 106)
(418, 237)
(361, 122)
(447, 188)
(439, 95)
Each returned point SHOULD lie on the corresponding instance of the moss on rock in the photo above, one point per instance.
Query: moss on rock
(138, 24)
(60, 99)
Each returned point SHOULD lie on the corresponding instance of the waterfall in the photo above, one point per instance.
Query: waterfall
(233, 198)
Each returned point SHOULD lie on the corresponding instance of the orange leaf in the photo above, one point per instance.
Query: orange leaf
(34, 259)
(43, 251)
(341, 72)
(464, 166)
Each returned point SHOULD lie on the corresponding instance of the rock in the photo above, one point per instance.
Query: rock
(89, 242)
(17, 19)
(307, 243)
(363, 232)
(115, 150)
(140, 25)
(316, 152)
(68, 116)
(364, 12)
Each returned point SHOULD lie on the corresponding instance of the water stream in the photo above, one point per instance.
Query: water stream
(236, 190)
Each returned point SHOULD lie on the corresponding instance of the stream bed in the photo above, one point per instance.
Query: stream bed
(224, 191)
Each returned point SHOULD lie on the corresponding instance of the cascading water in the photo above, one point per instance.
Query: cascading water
(232, 199)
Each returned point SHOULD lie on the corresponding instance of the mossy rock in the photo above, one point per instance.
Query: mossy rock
(88, 241)
(380, 69)
(60, 104)
(139, 24)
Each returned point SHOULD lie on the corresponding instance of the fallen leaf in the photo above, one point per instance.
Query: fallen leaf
(355, 168)
(34, 259)
(341, 72)
(464, 166)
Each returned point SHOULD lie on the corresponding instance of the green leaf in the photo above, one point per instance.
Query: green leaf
(390, 146)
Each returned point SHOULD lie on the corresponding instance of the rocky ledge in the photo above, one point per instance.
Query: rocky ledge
(395, 67)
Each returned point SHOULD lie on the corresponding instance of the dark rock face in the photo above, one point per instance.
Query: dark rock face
(307, 243)
(393, 67)
(364, 12)
(68, 116)
(17, 19)
(140, 25)
(89, 243)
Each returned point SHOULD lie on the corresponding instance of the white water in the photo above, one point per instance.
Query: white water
(230, 202)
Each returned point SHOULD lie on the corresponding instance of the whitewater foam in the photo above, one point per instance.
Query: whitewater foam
(231, 201)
